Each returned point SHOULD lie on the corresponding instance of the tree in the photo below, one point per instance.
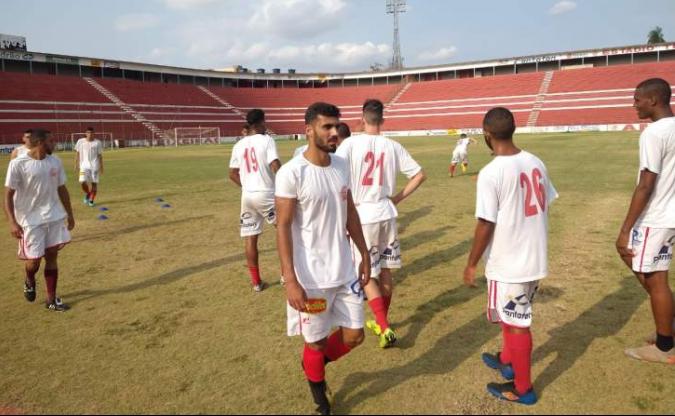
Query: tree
(376, 67)
(656, 36)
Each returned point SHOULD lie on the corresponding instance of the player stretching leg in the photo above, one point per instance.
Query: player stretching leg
(461, 154)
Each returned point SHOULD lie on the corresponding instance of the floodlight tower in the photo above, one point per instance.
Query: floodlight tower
(397, 7)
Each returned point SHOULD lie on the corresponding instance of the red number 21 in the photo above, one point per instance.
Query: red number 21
(533, 186)
(372, 165)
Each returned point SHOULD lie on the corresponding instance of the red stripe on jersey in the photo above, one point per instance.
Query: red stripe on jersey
(644, 248)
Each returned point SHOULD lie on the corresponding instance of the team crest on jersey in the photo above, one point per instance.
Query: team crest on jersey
(344, 192)
(517, 308)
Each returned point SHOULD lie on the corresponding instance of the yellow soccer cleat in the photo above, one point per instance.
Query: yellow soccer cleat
(373, 326)
(387, 339)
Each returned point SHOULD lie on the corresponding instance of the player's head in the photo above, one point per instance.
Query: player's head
(343, 132)
(498, 124)
(89, 133)
(463, 136)
(41, 138)
(321, 123)
(652, 96)
(256, 120)
(26, 137)
(245, 130)
(373, 112)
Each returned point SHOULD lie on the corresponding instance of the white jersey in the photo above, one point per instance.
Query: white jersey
(36, 183)
(300, 150)
(89, 152)
(253, 155)
(514, 192)
(375, 162)
(21, 150)
(321, 252)
(463, 145)
(657, 154)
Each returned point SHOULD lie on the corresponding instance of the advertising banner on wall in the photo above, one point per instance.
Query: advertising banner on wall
(13, 43)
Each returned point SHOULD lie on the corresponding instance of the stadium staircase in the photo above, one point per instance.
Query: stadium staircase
(398, 95)
(541, 97)
(223, 102)
(122, 105)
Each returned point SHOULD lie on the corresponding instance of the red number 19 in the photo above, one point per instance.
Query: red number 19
(252, 163)
(533, 186)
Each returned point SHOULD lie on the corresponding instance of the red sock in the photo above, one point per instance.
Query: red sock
(313, 362)
(51, 278)
(380, 311)
(387, 304)
(335, 348)
(452, 169)
(505, 355)
(521, 350)
(255, 275)
(92, 196)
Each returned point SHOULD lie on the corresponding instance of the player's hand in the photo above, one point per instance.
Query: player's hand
(396, 199)
(364, 271)
(625, 253)
(296, 296)
(71, 223)
(16, 231)
(470, 276)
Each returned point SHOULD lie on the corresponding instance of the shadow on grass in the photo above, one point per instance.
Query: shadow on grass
(418, 239)
(432, 260)
(136, 228)
(404, 220)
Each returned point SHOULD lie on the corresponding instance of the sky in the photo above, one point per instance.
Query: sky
(327, 35)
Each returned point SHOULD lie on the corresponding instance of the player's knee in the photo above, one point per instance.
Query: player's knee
(33, 266)
(354, 339)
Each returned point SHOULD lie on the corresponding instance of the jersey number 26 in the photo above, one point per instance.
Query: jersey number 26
(533, 186)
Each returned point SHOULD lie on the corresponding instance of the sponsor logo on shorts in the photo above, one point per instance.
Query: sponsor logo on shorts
(664, 255)
(271, 215)
(392, 253)
(244, 222)
(516, 308)
(637, 237)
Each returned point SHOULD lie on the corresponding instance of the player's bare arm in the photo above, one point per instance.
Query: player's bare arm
(482, 237)
(275, 166)
(15, 153)
(356, 233)
(412, 185)
(14, 228)
(77, 162)
(641, 196)
(64, 196)
(295, 294)
(100, 163)
(234, 177)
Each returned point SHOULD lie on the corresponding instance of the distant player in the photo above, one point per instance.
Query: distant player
(461, 154)
(647, 236)
(89, 163)
(316, 211)
(513, 197)
(253, 165)
(245, 131)
(375, 161)
(37, 205)
(343, 130)
(24, 148)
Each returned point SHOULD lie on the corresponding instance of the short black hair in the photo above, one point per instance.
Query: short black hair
(91, 129)
(38, 135)
(321, 109)
(658, 88)
(255, 117)
(344, 130)
(373, 111)
(463, 135)
(29, 131)
(500, 123)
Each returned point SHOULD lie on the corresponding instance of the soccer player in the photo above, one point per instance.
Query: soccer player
(316, 210)
(253, 165)
(37, 205)
(89, 163)
(646, 239)
(343, 130)
(23, 149)
(374, 162)
(461, 154)
(514, 193)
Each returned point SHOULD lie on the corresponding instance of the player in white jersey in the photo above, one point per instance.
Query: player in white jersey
(647, 236)
(375, 161)
(37, 205)
(89, 164)
(344, 132)
(316, 211)
(23, 149)
(253, 165)
(514, 194)
(461, 154)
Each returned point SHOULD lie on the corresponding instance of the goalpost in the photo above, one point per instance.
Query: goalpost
(106, 138)
(186, 136)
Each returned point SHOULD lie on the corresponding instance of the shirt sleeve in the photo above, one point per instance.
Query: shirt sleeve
(100, 148)
(62, 173)
(487, 200)
(407, 165)
(234, 160)
(651, 153)
(551, 192)
(286, 184)
(78, 146)
(272, 153)
(13, 179)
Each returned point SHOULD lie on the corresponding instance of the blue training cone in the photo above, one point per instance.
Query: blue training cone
(102, 217)
(166, 206)
(159, 200)
(103, 209)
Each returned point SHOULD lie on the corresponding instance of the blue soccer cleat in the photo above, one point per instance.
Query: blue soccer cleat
(494, 362)
(508, 392)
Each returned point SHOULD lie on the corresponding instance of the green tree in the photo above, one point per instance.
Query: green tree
(656, 36)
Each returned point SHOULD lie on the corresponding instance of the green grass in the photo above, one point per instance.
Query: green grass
(164, 321)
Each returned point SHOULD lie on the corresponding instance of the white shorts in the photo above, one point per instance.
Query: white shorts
(511, 303)
(331, 308)
(385, 248)
(89, 175)
(38, 239)
(256, 207)
(653, 249)
(460, 157)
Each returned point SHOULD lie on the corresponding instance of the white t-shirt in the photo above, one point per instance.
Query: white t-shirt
(463, 145)
(89, 152)
(300, 150)
(657, 154)
(514, 192)
(253, 155)
(321, 251)
(21, 150)
(375, 162)
(36, 183)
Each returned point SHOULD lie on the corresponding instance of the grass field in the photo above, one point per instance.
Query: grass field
(164, 320)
